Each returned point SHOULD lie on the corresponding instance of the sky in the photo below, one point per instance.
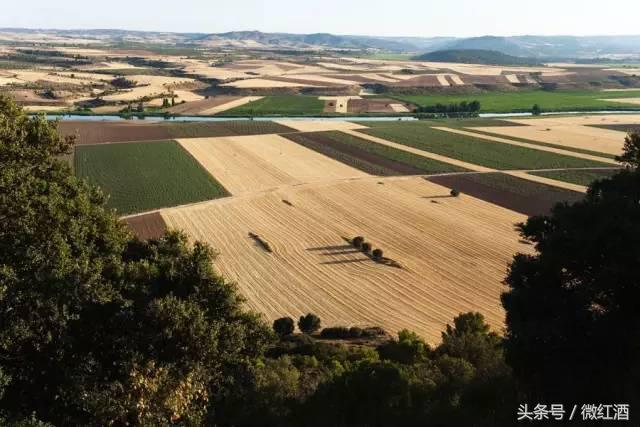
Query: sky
(423, 18)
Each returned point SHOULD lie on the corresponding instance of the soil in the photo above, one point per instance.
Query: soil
(513, 193)
(148, 226)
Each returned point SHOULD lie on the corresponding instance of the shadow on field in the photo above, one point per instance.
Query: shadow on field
(445, 196)
(346, 261)
(330, 248)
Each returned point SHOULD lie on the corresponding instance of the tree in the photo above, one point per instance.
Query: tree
(309, 324)
(631, 151)
(454, 193)
(536, 110)
(96, 327)
(357, 242)
(377, 254)
(366, 247)
(573, 320)
(165, 103)
(284, 326)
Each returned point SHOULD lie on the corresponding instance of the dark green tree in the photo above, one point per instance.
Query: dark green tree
(536, 110)
(309, 323)
(284, 326)
(631, 151)
(573, 308)
(96, 327)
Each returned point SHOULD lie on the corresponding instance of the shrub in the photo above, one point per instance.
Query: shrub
(358, 241)
(377, 254)
(454, 193)
(309, 324)
(283, 326)
(339, 332)
(366, 247)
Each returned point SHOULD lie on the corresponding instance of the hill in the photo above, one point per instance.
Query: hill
(475, 56)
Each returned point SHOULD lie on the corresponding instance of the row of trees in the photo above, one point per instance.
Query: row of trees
(451, 109)
(98, 328)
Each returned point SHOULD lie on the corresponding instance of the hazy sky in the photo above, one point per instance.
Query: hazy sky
(366, 17)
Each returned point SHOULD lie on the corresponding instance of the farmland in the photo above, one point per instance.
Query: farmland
(280, 105)
(146, 175)
(475, 150)
(506, 102)
(580, 177)
(311, 267)
(516, 194)
(369, 157)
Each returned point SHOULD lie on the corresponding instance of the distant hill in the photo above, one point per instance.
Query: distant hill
(539, 47)
(552, 46)
(475, 56)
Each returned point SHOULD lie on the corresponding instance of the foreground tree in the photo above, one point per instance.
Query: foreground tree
(573, 309)
(95, 327)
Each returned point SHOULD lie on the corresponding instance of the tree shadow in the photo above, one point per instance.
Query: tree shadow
(446, 196)
(330, 248)
(346, 261)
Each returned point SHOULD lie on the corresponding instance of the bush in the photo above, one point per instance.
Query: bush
(454, 193)
(309, 324)
(357, 242)
(377, 254)
(338, 332)
(283, 326)
(536, 110)
(366, 247)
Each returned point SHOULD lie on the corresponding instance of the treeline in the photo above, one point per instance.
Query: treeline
(98, 328)
(451, 110)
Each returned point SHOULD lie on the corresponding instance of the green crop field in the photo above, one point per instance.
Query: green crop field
(280, 105)
(474, 150)
(143, 176)
(226, 128)
(506, 102)
(577, 176)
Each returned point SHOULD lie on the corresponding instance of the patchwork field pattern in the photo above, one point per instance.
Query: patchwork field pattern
(313, 269)
(475, 150)
(144, 176)
(370, 157)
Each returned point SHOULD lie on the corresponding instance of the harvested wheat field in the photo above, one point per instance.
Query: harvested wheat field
(453, 252)
(320, 125)
(575, 132)
(250, 164)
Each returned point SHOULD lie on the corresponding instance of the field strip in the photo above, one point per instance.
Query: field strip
(460, 163)
(312, 269)
(229, 105)
(341, 102)
(320, 125)
(635, 101)
(548, 181)
(532, 146)
(247, 164)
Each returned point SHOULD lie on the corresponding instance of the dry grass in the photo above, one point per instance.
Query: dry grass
(454, 253)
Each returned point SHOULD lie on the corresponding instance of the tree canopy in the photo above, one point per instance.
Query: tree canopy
(572, 308)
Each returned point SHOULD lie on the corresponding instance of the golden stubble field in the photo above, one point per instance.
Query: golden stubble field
(574, 132)
(454, 251)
